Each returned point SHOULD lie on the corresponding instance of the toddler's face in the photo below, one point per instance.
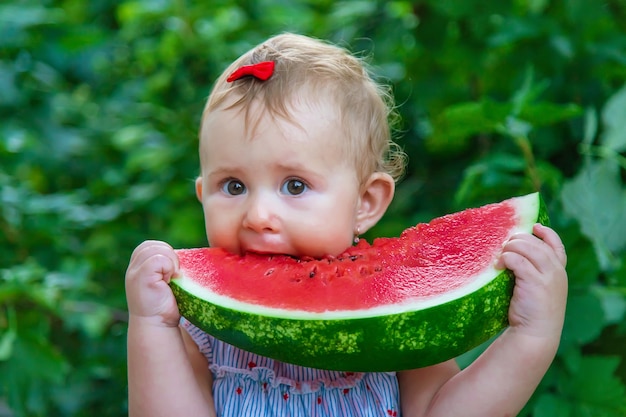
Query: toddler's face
(282, 187)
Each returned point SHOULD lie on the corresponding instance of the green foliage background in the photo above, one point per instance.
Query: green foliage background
(99, 106)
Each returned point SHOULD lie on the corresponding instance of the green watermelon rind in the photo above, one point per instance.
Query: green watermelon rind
(371, 344)
(390, 342)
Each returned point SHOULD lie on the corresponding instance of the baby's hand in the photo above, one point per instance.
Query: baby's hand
(540, 294)
(148, 294)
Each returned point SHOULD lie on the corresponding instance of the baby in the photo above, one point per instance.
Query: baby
(296, 158)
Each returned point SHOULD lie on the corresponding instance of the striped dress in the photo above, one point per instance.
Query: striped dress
(246, 384)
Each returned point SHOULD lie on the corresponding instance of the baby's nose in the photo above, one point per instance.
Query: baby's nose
(261, 215)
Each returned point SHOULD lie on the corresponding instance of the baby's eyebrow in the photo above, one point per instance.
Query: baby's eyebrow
(291, 166)
(222, 172)
(296, 168)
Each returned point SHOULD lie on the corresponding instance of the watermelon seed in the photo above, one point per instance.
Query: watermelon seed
(313, 272)
(269, 272)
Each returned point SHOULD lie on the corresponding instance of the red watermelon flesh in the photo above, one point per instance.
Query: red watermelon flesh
(400, 303)
(426, 260)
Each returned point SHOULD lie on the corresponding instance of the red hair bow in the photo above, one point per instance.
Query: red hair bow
(262, 71)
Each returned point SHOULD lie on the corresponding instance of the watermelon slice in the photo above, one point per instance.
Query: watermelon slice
(400, 303)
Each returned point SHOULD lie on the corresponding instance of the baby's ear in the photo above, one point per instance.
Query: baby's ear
(199, 189)
(376, 195)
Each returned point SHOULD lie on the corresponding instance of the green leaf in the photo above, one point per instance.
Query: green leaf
(614, 121)
(582, 265)
(351, 10)
(457, 123)
(516, 127)
(7, 340)
(537, 6)
(26, 15)
(544, 113)
(594, 389)
(131, 137)
(493, 177)
(34, 363)
(590, 127)
(617, 278)
(528, 92)
(596, 199)
(550, 405)
(515, 29)
(613, 304)
(131, 11)
(90, 317)
(584, 320)
(571, 357)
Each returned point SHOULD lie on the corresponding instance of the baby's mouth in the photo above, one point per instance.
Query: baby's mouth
(264, 252)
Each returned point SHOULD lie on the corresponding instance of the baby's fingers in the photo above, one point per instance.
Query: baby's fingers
(527, 254)
(159, 267)
(553, 240)
(154, 257)
(149, 248)
(152, 266)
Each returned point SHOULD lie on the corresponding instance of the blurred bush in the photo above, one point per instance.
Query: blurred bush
(99, 107)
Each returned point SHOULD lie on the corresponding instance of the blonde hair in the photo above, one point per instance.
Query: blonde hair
(312, 66)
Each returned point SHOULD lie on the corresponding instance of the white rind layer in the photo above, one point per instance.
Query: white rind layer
(527, 209)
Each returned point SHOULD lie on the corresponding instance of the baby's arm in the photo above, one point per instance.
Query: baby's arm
(167, 375)
(502, 379)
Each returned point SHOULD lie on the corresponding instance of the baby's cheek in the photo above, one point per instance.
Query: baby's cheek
(220, 235)
(329, 241)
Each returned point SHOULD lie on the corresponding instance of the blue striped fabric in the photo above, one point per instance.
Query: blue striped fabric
(246, 384)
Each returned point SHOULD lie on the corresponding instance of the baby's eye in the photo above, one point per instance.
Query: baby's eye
(294, 186)
(233, 187)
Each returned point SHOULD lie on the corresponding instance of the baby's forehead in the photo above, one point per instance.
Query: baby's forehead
(305, 140)
(293, 110)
